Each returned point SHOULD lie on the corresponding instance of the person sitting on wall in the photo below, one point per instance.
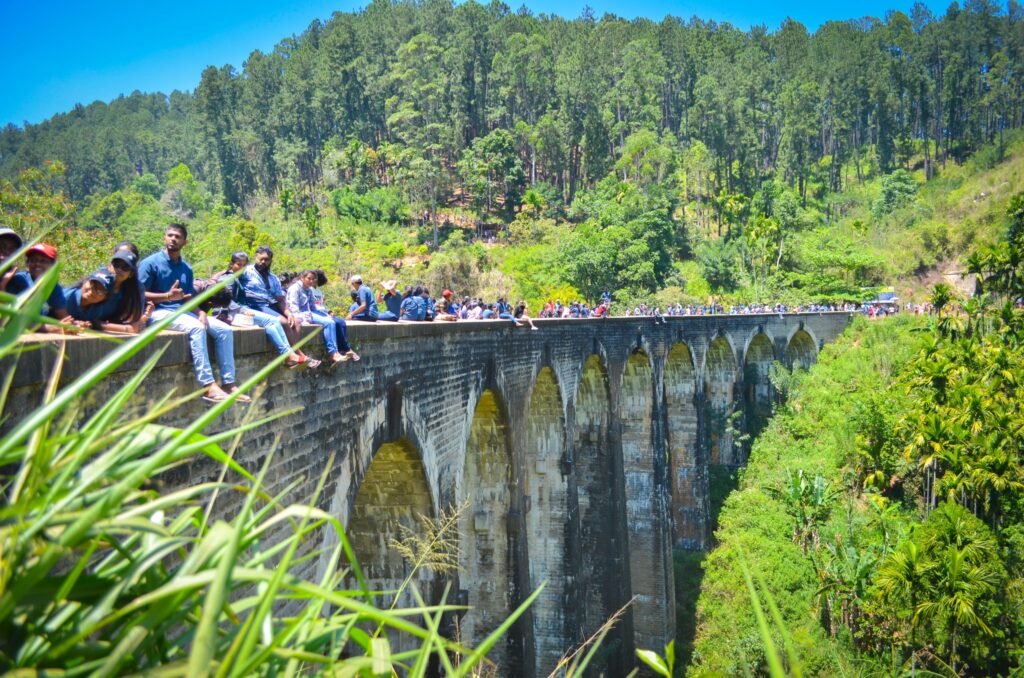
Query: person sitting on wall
(260, 290)
(124, 308)
(366, 304)
(392, 301)
(86, 301)
(519, 313)
(39, 259)
(10, 242)
(223, 307)
(443, 309)
(302, 306)
(167, 280)
(414, 308)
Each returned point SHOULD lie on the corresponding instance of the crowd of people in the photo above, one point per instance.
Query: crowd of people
(130, 293)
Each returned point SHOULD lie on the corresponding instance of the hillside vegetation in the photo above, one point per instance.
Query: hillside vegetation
(491, 151)
(882, 507)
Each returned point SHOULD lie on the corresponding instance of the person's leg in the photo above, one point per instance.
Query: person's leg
(224, 342)
(190, 325)
(386, 315)
(330, 340)
(341, 332)
(275, 332)
(365, 317)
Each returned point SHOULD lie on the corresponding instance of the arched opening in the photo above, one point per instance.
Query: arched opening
(594, 483)
(759, 391)
(646, 554)
(547, 520)
(801, 351)
(720, 380)
(486, 568)
(689, 480)
(393, 495)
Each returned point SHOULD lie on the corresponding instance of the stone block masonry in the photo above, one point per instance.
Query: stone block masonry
(580, 450)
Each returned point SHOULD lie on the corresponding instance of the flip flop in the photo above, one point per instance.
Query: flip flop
(353, 356)
(313, 363)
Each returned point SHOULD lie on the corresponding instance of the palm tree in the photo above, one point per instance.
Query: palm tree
(902, 581)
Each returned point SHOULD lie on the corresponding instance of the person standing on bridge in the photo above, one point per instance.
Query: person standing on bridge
(167, 281)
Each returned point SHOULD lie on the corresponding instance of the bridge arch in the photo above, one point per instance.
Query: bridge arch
(760, 394)
(719, 394)
(801, 349)
(486, 569)
(547, 518)
(688, 480)
(392, 497)
(594, 464)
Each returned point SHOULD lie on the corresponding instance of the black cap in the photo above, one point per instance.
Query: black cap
(125, 255)
(104, 278)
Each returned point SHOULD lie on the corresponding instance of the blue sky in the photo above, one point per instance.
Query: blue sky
(60, 53)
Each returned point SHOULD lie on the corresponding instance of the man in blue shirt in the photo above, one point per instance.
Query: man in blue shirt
(366, 304)
(167, 280)
(260, 290)
(39, 259)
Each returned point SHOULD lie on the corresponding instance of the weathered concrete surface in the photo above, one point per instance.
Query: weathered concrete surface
(581, 449)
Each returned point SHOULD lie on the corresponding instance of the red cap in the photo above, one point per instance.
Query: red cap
(48, 251)
(446, 294)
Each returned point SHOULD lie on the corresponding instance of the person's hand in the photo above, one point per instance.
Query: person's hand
(176, 293)
(6, 277)
(202, 319)
(295, 322)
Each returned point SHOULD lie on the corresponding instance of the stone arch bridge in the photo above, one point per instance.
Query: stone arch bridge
(582, 452)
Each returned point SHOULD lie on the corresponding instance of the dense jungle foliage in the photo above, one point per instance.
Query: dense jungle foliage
(883, 506)
(665, 160)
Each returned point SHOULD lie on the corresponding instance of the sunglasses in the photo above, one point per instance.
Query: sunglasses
(121, 266)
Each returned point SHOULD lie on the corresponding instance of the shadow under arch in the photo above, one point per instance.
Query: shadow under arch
(719, 395)
(801, 351)
(391, 499)
(486, 569)
(547, 520)
(687, 472)
(759, 393)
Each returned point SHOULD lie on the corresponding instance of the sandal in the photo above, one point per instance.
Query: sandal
(241, 397)
(352, 355)
(313, 363)
(300, 361)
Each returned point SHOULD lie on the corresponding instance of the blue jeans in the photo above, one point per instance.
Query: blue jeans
(335, 333)
(272, 326)
(387, 315)
(223, 341)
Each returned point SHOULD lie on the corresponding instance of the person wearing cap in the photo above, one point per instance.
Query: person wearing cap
(366, 303)
(124, 308)
(392, 301)
(167, 280)
(443, 308)
(87, 299)
(10, 242)
(39, 259)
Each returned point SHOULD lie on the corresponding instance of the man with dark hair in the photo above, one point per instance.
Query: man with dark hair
(39, 259)
(167, 281)
(261, 291)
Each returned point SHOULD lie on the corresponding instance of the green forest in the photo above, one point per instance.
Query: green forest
(496, 151)
(882, 508)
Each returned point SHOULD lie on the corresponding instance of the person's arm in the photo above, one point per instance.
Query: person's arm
(357, 310)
